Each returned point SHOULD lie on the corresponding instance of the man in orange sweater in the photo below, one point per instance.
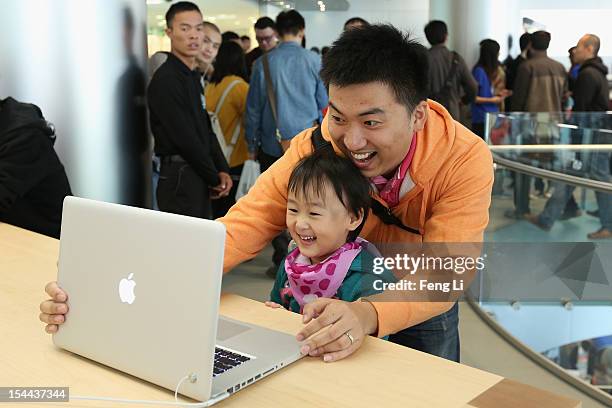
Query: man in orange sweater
(433, 174)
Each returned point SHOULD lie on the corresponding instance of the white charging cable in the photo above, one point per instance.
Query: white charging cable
(191, 377)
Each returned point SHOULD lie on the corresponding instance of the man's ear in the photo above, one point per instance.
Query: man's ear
(356, 220)
(168, 31)
(420, 115)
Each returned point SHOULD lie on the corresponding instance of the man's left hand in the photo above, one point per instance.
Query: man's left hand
(224, 186)
(349, 323)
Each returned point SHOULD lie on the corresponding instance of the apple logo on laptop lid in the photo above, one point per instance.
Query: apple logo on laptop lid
(126, 289)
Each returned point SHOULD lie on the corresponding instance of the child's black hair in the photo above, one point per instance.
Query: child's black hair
(324, 167)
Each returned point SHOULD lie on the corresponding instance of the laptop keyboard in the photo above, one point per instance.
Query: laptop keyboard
(226, 360)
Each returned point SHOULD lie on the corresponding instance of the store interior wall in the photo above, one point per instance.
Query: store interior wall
(83, 64)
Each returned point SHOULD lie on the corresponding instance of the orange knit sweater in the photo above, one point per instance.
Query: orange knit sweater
(453, 174)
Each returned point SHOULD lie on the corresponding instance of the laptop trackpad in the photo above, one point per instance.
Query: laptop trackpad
(226, 329)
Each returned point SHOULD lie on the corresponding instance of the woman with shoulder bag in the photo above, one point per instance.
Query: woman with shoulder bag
(226, 103)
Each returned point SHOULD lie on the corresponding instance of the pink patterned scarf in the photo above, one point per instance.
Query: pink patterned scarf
(389, 189)
(322, 280)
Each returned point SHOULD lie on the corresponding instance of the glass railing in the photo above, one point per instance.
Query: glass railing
(551, 219)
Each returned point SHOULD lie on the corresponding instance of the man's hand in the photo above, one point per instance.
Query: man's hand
(349, 324)
(53, 310)
(224, 187)
(252, 156)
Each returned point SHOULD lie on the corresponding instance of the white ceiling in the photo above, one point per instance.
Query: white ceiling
(235, 15)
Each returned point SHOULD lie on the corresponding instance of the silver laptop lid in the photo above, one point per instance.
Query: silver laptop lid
(143, 291)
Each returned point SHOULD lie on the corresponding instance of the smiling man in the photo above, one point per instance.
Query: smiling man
(430, 172)
(433, 175)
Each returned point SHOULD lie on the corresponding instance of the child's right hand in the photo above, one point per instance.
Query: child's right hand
(271, 304)
(54, 309)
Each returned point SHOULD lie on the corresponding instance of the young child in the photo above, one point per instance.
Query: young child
(327, 206)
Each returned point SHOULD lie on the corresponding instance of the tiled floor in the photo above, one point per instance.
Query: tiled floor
(502, 229)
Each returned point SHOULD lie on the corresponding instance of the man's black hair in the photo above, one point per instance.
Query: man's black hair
(356, 20)
(179, 7)
(229, 61)
(540, 40)
(325, 168)
(524, 41)
(265, 22)
(379, 53)
(289, 22)
(229, 36)
(436, 32)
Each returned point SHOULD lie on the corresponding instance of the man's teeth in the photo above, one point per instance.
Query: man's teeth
(362, 156)
(305, 238)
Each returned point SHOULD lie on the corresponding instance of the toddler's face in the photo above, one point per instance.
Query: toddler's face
(319, 224)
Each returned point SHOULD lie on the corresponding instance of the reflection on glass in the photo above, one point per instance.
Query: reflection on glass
(590, 360)
(576, 144)
(131, 122)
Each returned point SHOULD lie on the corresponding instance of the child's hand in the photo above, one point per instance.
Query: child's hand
(271, 304)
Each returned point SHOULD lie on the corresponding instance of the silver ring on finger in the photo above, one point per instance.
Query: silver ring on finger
(351, 338)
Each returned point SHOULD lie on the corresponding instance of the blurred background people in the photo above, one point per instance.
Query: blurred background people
(246, 43)
(226, 94)
(486, 72)
(210, 46)
(355, 22)
(450, 79)
(267, 39)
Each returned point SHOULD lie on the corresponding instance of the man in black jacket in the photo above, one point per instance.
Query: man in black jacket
(193, 168)
(591, 94)
(33, 182)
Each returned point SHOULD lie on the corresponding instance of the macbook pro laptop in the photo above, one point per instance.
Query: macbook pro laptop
(143, 291)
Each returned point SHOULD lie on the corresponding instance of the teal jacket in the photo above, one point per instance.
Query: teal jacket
(359, 282)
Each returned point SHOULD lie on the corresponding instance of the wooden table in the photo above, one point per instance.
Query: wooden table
(380, 374)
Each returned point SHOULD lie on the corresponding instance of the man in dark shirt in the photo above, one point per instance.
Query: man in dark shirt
(449, 76)
(191, 159)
